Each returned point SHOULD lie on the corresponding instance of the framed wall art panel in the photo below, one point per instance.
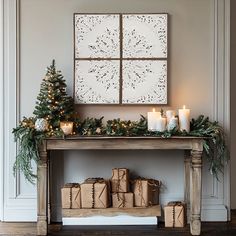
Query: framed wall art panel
(97, 36)
(97, 81)
(120, 58)
(145, 36)
(144, 82)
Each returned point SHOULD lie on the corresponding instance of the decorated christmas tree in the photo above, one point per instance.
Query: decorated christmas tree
(53, 104)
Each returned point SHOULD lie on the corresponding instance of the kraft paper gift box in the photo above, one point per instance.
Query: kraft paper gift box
(146, 192)
(120, 180)
(175, 214)
(95, 193)
(122, 200)
(70, 196)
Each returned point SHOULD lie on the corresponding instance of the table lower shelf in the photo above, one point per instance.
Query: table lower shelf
(136, 211)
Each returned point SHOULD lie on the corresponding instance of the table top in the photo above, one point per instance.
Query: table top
(100, 137)
(75, 142)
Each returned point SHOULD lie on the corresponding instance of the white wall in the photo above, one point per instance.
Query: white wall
(46, 32)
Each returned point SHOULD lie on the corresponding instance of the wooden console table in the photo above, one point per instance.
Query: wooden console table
(193, 147)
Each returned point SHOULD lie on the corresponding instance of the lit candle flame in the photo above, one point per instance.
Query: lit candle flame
(153, 109)
(183, 106)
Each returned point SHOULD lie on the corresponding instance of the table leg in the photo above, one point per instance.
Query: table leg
(195, 192)
(187, 173)
(42, 219)
(49, 190)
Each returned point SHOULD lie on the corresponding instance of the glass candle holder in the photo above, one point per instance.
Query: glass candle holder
(66, 127)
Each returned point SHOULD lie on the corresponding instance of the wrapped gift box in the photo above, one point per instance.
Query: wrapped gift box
(70, 196)
(146, 192)
(120, 180)
(95, 193)
(122, 200)
(175, 214)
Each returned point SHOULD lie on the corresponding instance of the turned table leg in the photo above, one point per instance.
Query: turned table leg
(187, 173)
(49, 190)
(195, 192)
(42, 219)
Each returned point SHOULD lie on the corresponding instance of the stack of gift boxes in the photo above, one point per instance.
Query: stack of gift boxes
(118, 192)
(121, 192)
(120, 189)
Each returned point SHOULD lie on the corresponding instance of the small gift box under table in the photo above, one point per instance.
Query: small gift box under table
(95, 193)
(175, 214)
(70, 196)
(122, 200)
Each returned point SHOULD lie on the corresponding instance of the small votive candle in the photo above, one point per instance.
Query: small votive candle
(67, 127)
(152, 119)
(184, 119)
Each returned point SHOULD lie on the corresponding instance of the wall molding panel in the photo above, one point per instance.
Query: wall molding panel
(218, 197)
(17, 204)
(16, 207)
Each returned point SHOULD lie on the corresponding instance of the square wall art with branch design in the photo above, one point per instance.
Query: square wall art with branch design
(120, 58)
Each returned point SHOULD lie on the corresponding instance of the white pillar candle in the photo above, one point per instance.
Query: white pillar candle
(161, 124)
(152, 119)
(67, 127)
(184, 119)
(169, 115)
(173, 123)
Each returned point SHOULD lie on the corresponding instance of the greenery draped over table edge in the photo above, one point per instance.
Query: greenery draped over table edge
(29, 139)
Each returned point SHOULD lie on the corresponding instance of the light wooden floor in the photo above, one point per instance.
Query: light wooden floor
(17, 228)
(208, 229)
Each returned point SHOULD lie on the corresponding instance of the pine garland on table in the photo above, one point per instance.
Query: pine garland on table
(28, 151)
(91, 126)
(214, 143)
(118, 127)
(215, 147)
(29, 140)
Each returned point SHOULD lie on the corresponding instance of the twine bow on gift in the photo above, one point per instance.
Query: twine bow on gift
(97, 180)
